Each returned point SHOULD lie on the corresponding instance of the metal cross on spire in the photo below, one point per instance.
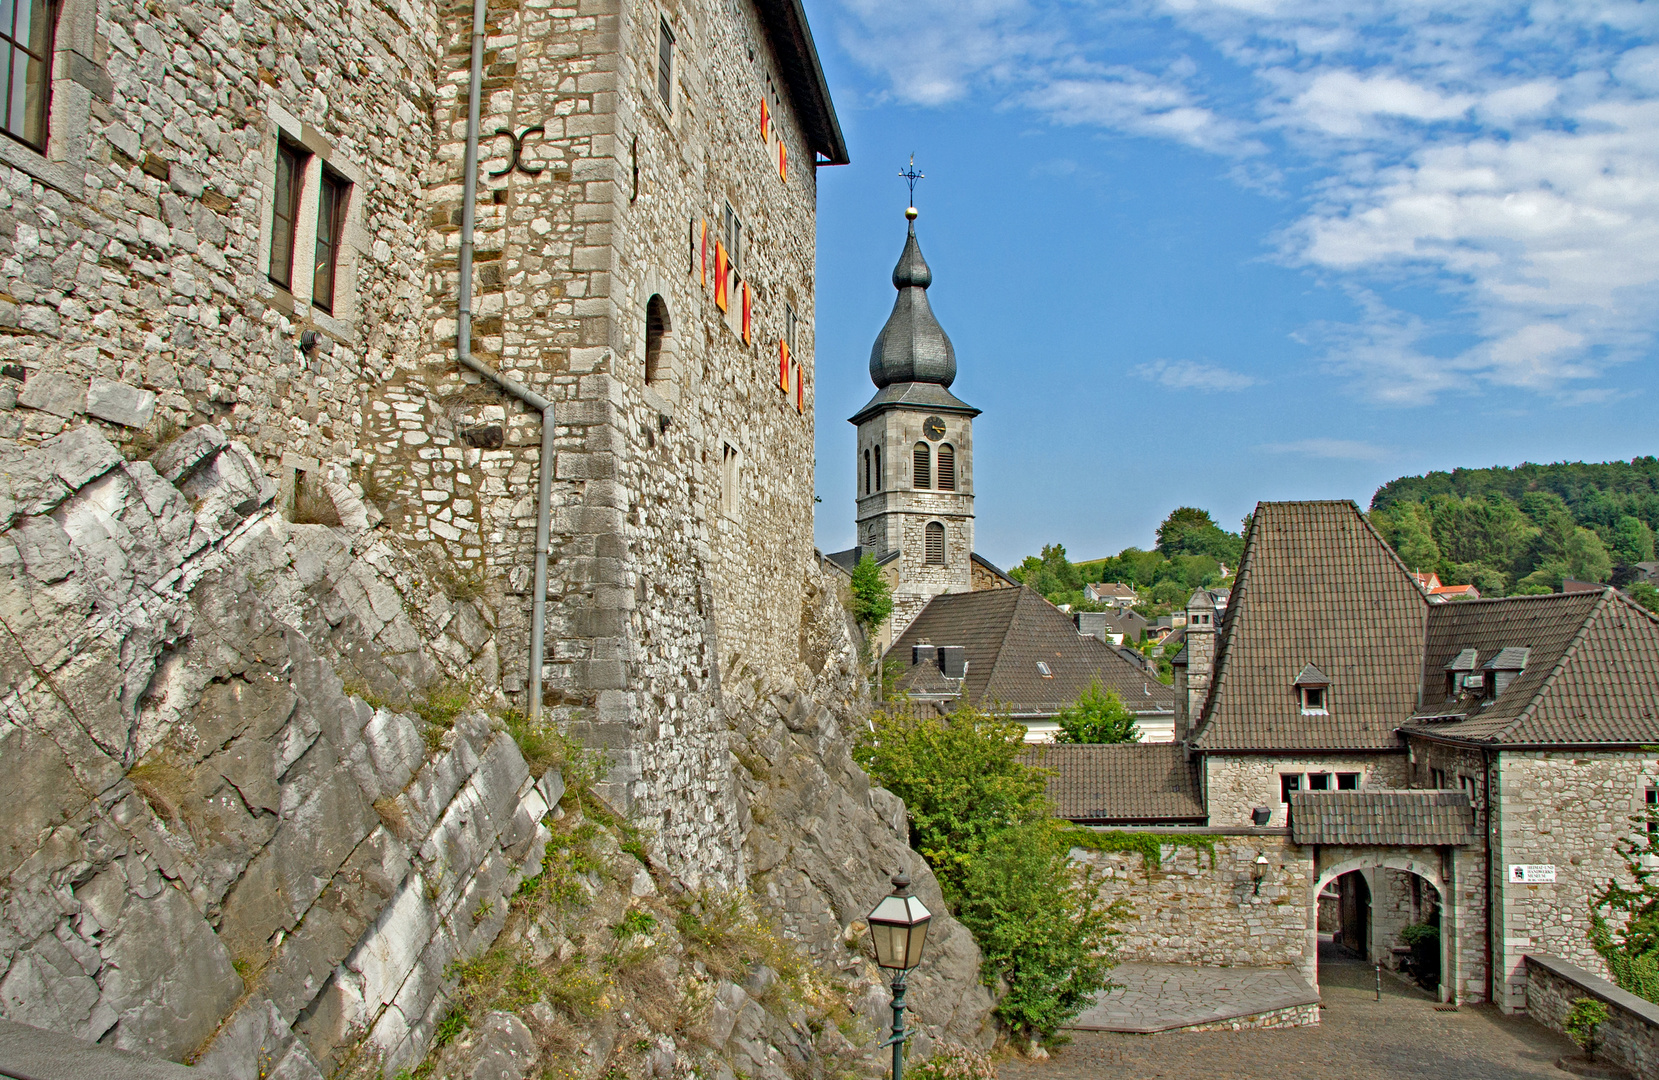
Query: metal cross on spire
(911, 175)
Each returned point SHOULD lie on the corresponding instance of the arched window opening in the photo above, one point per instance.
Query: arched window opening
(934, 545)
(878, 468)
(947, 467)
(923, 466)
(657, 327)
(866, 472)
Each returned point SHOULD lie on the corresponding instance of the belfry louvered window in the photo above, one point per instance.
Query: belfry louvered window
(947, 467)
(934, 544)
(922, 467)
(866, 472)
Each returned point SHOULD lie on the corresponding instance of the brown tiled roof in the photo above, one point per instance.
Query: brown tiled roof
(1381, 817)
(1006, 633)
(1316, 585)
(1131, 783)
(1591, 674)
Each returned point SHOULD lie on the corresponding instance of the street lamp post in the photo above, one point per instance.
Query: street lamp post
(898, 927)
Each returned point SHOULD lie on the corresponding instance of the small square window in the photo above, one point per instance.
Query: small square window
(1044, 671)
(1289, 782)
(1313, 699)
(1319, 781)
(665, 64)
(1347, 781)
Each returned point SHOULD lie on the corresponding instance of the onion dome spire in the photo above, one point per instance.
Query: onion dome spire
(912, 347)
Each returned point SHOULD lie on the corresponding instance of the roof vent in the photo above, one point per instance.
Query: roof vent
(953, 661)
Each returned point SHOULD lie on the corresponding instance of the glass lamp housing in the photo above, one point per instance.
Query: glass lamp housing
(898, 926)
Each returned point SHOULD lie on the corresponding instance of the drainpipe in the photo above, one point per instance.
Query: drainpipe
(463, 354)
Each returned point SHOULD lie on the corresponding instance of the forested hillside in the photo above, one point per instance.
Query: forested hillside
(1523, 529)
(1191, 552)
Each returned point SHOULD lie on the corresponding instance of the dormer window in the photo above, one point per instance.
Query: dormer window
(1312, 687)
(1505, 668)
(1461, 674)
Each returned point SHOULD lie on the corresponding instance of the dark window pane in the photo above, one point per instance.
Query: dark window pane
(283, 215)
(330, 209)
(1289, 782)
(1319, 781)
(665, 64)
(33, 100)
(1347, 781)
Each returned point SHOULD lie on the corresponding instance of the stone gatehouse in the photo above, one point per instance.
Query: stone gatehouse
(1467, 767)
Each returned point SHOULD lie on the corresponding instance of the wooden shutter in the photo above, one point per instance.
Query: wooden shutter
(934, 546)
(720, 276)
(947, 467)
(921, 467)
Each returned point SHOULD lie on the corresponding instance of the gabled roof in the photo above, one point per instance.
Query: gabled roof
(913, 395)
(791, 37)
(1590, 674)
(1428, 818)
(988, 565)
(1316, 585)
(847, 560)
(1123, 784)
(1006, 633)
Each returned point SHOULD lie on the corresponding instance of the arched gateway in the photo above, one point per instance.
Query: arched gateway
(1393, 836)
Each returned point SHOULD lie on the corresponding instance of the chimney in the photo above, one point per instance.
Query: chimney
(1093, 624)
(922, 654)
(953, 661)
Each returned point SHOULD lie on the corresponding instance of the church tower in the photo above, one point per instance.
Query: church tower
(915, 450)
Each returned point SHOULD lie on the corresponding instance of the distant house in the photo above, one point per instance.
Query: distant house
(1648, 572)
(1573, 585)
(1112, 627)
(1011, 651)
(1440, 594)
(1111, 593)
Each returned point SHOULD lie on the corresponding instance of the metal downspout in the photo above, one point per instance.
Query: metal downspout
(463, 354)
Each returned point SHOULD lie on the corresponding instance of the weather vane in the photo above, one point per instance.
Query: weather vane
(911, 175)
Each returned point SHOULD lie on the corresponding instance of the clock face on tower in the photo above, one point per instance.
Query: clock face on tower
(934, 428)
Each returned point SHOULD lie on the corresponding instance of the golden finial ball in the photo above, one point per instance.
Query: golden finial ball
(910, 212)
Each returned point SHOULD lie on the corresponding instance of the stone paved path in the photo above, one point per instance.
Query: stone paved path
(1399, 1038)
(1157, 997)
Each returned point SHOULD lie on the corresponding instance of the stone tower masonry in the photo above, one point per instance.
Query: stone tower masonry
(915, 449)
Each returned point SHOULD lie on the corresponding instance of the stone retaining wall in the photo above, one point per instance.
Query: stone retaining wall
(1295, 1016)
(1630, 1034)
(1187, 911)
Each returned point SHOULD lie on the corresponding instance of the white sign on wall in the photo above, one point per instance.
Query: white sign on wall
(1531, 873)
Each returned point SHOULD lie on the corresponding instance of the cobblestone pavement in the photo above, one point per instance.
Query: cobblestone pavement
(1401, 1037)
(1156, 997)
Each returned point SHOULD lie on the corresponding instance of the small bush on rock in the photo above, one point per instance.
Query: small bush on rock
(952, 1061)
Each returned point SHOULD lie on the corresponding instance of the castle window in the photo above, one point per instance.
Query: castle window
(1347, 781)
(734, 246)
(947, 467)
(290, 176)
(1289, 783)
(1319, 781)
(922, 467)
(866, 472)
(656, 327)
(26, 54)
(789, 327)
(728, 480)
(331, 215)
(665, 64)
(933, 545)
(878, 468)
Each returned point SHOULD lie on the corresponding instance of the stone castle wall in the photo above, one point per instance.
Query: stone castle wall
(1188, 910)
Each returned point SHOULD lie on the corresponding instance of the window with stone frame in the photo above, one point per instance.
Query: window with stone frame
(933, 544)
(728, 479)
(866, 472)
(734, 249)
(1289, 783)
(26, 31)
(285, 211)
(1347, 781)
(332, 195)
(878, 466)
(921, 467)
(1319, 781)
(665, 63)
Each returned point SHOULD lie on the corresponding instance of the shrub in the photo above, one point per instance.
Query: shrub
(981, 818)
(872, 595)
(952, 1061)
(1587, 1014)
(1632, 952)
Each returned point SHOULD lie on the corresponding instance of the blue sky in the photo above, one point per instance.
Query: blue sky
(1207, 253)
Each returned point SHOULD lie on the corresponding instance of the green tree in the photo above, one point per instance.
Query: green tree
(1632, 540)
(1191, 531)
(1041, 926)
(1493, 532)
(1097, 716)
(1409, 530)
(1645, 594)
(961, 779)
(1587, 557)
(872, 595)
(1624, 919)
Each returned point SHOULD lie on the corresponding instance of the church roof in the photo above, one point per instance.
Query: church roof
(1010, 636)
(912, 347)
(915, 395)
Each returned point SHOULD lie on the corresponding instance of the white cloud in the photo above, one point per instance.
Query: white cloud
(1189, 375)
(1330, 449)
(1503, 155)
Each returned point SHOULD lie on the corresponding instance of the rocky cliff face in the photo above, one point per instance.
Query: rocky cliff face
(216, 848)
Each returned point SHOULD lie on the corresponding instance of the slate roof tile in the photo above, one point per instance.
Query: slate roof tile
(1427, 818)
(1129, 783)
(1316, 585)
(1005, 633)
